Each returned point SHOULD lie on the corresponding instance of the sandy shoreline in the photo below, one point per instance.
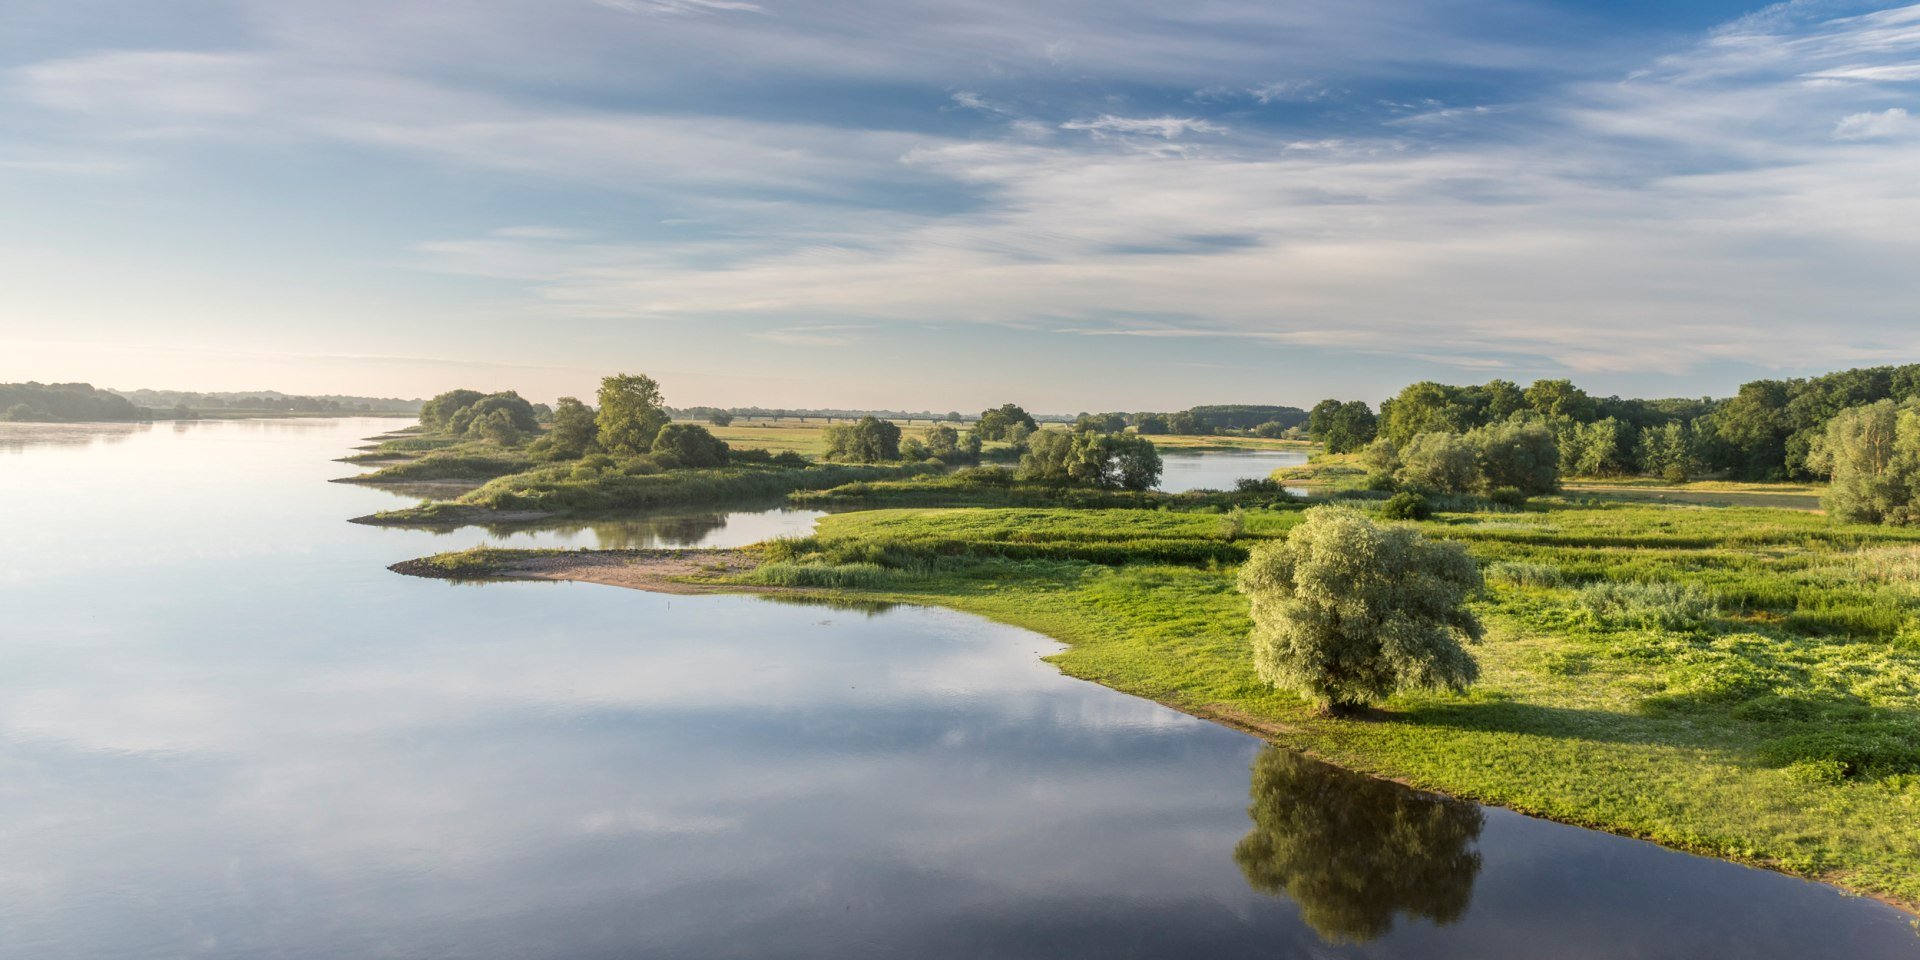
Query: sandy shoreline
(656, 571)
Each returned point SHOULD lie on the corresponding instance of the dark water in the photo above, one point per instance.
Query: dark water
(1217, 470)
(227, 731)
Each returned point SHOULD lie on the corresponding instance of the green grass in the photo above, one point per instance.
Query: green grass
(1742, 682)
(584, 488)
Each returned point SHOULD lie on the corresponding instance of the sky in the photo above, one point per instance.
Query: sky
(1071, 204)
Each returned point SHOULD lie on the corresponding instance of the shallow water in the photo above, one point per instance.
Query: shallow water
(1218, 469)
(227, 731)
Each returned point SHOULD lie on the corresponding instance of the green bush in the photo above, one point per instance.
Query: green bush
(1663, 605)
(1865, 750)
(1407, 505)
(1520, 574)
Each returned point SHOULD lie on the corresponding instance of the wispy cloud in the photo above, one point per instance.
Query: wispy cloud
(1166, 128)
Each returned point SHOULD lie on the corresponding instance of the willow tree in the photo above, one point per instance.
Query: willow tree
(1873, 453)
(1346, 611)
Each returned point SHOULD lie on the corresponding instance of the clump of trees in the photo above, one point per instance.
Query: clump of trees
(1872, 453)
(867, 440)
(1114, 460)
(689, 445)
(1346, 612)
(503, 417)
(54, 402)
(998, 423)
(1515, 455)
(945, 444)
(1342, 427)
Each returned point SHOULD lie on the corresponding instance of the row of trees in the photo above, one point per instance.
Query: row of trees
(32, 401)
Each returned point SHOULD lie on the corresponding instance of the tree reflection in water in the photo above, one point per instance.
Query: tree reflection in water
(1353, 851)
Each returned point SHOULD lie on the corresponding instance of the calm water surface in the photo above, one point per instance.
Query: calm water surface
(227, 731)
(1218, 469)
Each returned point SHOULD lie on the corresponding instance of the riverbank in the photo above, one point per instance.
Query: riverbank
(1775, 727)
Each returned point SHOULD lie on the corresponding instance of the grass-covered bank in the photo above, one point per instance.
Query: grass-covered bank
(1740, 682)
(589, 488)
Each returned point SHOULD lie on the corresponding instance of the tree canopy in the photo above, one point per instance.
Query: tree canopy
(867, 440)
(1342, 427)
(1116, 460)
(630, 414)
(994, 424)
(1346, 611)
(690, 445)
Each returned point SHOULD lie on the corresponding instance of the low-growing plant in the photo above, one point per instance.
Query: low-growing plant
(1516, 573)
(1660, 605)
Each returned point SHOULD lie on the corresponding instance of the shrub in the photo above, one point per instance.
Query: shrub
(1407, 506)
(1380, 481)
(1508, 496)
(1347, 612)
(691, 445)
(1518, 574)
(1865, 750)
(1663, 605)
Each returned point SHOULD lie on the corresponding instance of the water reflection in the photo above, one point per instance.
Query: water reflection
(650, 530)
(19, 437)
(1355, 852)
(1218, 469)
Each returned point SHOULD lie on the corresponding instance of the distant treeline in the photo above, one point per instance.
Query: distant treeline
(1770, 430)
(59, 402)
(1266, 421)
(269, 400)
(824, 413)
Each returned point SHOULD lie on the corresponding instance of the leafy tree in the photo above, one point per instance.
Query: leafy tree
(435, 414)
(495, 425)
(1342, 427)
(1091, 458)
(720, 418)
(951, 446)
(630, 414)
(867, 440)
(1873, 454)
(572, 434)
(690, 445)
(995, 423)
(1445, 462)
(1520, 456)
(1424, 407)
(1603, 448)
(1346, 612)
(517, 410)
(1354, 851)
(1018, 434)
(1560, 398)
(1668, 451)
(913, 449)
(1101, 422)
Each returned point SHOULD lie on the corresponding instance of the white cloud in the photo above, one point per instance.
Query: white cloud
(1868, 126)
(1166, 128)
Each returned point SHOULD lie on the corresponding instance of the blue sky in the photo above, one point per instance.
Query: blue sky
(1077, 204)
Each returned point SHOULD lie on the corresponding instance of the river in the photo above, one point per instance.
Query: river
(226, 730)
